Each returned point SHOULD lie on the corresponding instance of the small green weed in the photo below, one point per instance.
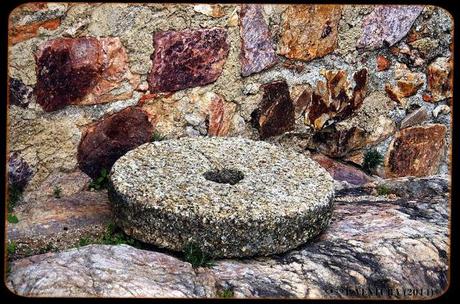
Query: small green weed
(11, 248)
(195, 256)
(57, 191)
(372, 159)
(47, 248)
(84, 241)
(383, 190)
(101, 181)
(112, 236)
(13, 219)
(15, 195)
(156, 136)
(226, 293)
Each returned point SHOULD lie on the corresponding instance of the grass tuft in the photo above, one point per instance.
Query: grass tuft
(372, 159)
(101, 181)
(195, 256)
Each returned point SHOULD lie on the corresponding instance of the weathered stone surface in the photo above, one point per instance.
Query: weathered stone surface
(309, 31)
(257, 50)
(407, 84)
(20, 94)
(81, 71)
(19, 172)
(383, 63)
(440, 79)
(105, 141)
(415, 151)
(48, 143)
(387, 24)
(187, 58)
(369, 125)
(215, 11)
(48, 223)
(335, 100)
(275, 113)
(416, 117)
(160, 195)
(441, 109)
(220, 115)
(340, 171)
(27, 31)
(419, 187)
(372, 243)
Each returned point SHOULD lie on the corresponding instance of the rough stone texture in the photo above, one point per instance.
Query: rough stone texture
(161, 196)
(105, 141)
(275, 113)
(441, 109)
(371, 124)
(257, 50)
(373, 243)
(383, 63)
(48, 143)
(340, 171)
(387, 24)
(334, 100)
(209, 10)
(440, 79)
(19, 172)
(416, 117)
(81, 71)
(187, 58)
(309, 31)
(20, 94)
(407, 84)
(415, 151)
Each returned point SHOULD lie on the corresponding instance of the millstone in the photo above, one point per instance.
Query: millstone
(233, 197)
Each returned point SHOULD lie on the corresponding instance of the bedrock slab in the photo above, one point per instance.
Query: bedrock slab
(188, 58)
(213, 192)
(374, 243)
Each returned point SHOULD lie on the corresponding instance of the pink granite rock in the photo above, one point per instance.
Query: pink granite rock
(187, 59)
(387, 24)
(257, 51)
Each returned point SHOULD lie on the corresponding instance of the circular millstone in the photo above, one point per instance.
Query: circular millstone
(233, 197)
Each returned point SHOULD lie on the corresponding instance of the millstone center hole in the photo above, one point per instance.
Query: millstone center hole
(224, 176)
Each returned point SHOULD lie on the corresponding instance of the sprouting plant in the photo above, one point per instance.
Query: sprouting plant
(156, 136)
(101, 181)
(13, 219)
(114, 236)
(226, 293)
(383, 190)
(195, 256)
(372, 159)
(15, 195)
(11, 248)
(84, 241)
(57, 191)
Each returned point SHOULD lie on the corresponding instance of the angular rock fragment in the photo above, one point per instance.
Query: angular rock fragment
(340, 171)
(407, 84)
(107, 140)
(440, 79)
(334, 100)
(187, 59)
(383, 63)
(416, 117)
(257, 50)
(220, 114)
(415, 151)
(214, 11)
(20, 94)
(309, 31)
(387, 24)
(19, 172)
(275, 113)
(82, 70)
(338, 143)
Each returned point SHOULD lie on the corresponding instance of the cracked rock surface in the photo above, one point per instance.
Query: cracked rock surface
(374, 243)
(161, 196)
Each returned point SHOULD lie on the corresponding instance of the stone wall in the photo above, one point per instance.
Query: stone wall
(332, 79)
